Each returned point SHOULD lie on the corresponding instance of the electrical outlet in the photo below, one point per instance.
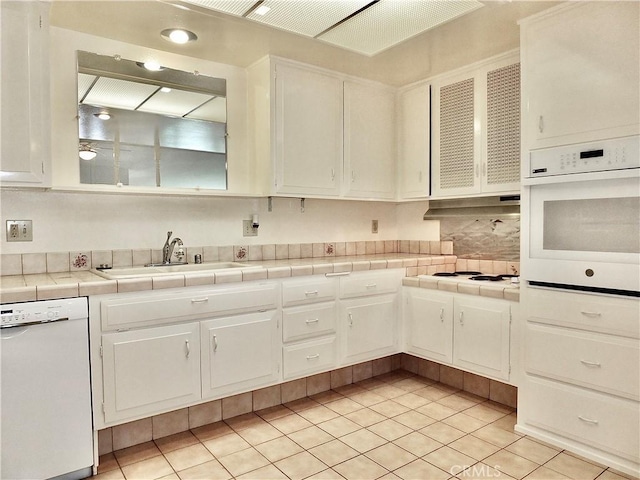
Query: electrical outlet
(374, 226)
(19, 231)
(248, 230)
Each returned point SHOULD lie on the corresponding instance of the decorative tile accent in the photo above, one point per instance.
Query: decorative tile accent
(241, 253)
(329, 250)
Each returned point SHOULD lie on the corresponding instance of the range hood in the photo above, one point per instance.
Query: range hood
(504, 206)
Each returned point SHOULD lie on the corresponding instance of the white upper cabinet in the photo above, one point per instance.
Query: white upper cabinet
(581, 73)
(414, 141)
(308, 132)
(476, 129)
(25, 148)
(320, 133)
(369, 141)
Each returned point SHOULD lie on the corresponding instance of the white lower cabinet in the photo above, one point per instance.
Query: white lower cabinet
(581, 380)
(309, 325)
(150, 370)
(368, 327)
(469, 332)
(239, 353)
(481, 335)
(429, 325)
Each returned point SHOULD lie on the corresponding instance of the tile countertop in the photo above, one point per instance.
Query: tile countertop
(47, 286)
(503, 289)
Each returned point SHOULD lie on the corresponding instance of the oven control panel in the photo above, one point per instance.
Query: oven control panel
(615, 154)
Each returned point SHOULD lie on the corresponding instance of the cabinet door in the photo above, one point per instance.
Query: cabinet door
(369, 327)
(25, 93)
(150, 370)
(308, 132)
(581, 73)
(414, 141)
(501, 159)
(239, 353)
(457, 138)
(369, 141)
(429, 321)
(481, 335)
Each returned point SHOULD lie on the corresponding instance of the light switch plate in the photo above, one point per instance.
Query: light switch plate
(248, 230)
(19, 231)
(374, 226)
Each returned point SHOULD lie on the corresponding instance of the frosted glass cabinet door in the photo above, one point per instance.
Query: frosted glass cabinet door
(239, 353)
(308, 132)
(369, 141)
(581, 73)
(150, 370)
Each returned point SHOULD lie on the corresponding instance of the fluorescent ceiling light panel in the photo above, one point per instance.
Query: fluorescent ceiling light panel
(213, 111)
(176, 102)
(390, 22)
(306, 17)
(232, 7)
(111, 92)
(84, 82)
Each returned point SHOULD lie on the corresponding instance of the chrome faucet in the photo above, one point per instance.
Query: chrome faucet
(167, 249)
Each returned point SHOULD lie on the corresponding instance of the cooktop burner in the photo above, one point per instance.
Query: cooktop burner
(490, 278)
(456, 274)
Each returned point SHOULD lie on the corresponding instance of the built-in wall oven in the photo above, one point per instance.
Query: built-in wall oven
(584, 217)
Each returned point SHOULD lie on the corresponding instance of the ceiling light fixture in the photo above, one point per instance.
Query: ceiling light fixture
(261, 10)
(178, 35)
(151, 65)
(103, 115)
(86, 152)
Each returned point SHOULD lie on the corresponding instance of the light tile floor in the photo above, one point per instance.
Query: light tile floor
(397, 425)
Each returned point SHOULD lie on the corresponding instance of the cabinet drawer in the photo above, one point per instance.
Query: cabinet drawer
(608, 423)
(615, 316)
(312, 290)
(309, 357)
(370, 283)
(309, 321)
(125, 311)
(589, 359)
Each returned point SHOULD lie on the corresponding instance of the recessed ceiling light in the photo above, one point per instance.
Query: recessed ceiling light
(262, 10)
(178, 35)
(165, 89)
(151, 65)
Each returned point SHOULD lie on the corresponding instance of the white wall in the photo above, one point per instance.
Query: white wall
(91, 221)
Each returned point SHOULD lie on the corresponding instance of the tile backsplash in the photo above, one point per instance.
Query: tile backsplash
(53, 262)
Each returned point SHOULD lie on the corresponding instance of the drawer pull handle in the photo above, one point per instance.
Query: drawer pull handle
(313, 357)
(442, 314)
(215, 343)
(200, 300)
(591, 314)
(188, 348)
(311, 320)
(350, 319)
(588, 420)
(311, 293)
(370, 285)
(590, 364)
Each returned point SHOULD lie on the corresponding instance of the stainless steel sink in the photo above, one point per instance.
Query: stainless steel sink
(155, 270)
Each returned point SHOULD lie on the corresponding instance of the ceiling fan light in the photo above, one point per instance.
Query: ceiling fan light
(87, 154)
(153, 66)
(178, 35)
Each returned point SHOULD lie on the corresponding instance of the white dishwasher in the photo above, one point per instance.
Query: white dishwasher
(46, 427)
